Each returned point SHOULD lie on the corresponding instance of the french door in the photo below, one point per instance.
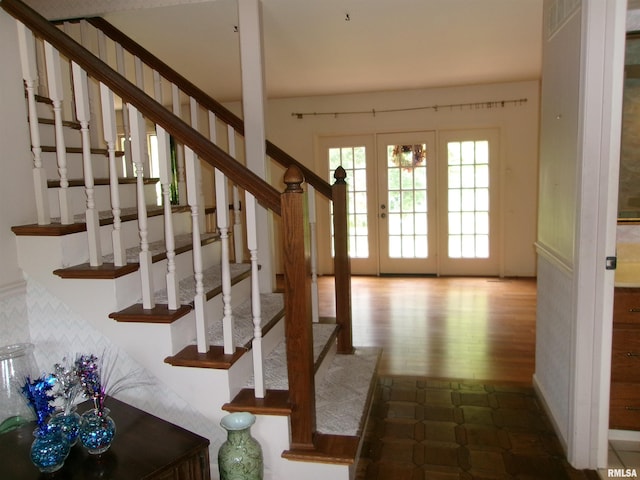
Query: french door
(469, 227)
(406, 203)
(417, 205)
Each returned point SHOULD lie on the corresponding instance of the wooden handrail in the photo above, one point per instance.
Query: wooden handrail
(268, 196)
(203, 99)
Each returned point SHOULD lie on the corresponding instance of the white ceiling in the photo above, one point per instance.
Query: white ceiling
(311, 49)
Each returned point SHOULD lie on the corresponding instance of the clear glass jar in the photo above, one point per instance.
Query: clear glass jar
(16, 362)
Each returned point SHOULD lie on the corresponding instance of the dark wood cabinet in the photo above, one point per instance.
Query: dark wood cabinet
(145, 447)
(624, 410)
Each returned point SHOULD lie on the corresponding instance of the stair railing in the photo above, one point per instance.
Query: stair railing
(124, 43)
(235, 124)
(141, 106)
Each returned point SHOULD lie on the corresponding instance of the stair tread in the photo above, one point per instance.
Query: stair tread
(101, 181)
(211, 279)
(275, 365)
(66, 123)
(94, 150)
(334, 449)
(157, 314)
(55, 228)
(344, 394)
(343, 400)
(272, 310)
(158, 249)
(109, 271)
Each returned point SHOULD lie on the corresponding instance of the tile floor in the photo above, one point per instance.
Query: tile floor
(623, 454)
(423, 429)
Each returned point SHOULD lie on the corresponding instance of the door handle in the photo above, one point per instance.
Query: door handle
(383, 215)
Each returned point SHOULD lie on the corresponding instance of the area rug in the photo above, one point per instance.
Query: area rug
(422, 429)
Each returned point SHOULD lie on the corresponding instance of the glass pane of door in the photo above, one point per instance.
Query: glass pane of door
(405, 214)
(407, 201)
(354, 162)
(469, 227)
(468, 194)
(354, 154)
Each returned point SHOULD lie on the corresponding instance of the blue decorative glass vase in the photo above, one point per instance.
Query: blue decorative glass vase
(240, 457)
(49, 449)
(69, 425)
(97, 430)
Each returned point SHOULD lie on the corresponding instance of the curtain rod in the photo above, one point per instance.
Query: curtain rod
(475, 105)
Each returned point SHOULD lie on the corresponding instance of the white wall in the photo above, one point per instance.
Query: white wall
(519, 141)
(558, 164)
(583, 57)
(17, 204)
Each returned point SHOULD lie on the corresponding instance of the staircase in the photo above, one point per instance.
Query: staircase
(168, 283)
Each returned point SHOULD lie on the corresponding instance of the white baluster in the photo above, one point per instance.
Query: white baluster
(111, 137)
(127, 167)
(193, 108)
(313, 240)
(198, 300)
(139, 73)
(238, 246)
(222, 220)
(102, 45)
(238, 231)
(157, 87)
(164, 158)
(81, 95)
(222, 217)
(138, 150)
(256, 310)
(177, 110)
(90, 42)
(30, 75)
(54, 79)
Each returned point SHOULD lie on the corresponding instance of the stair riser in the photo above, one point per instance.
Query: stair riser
(273, 434)
(72, 136)
(75, 168)
(102, 195)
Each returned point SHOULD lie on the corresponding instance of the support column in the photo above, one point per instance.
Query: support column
(253, 105)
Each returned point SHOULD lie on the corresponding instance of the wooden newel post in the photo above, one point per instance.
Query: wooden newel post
(298, 321)
(342, 263)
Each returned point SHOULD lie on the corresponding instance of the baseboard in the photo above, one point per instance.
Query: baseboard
(540, 393)
(625, 435)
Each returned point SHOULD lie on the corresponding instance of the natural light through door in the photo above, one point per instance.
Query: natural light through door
(469, 235)
(407, 200)
(406, 197)
(354, 162)
(468, 205)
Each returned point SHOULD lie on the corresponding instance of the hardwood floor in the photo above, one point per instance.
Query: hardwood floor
(449, 328)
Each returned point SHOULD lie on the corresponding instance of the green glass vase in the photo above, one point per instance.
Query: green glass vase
(240, 456)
